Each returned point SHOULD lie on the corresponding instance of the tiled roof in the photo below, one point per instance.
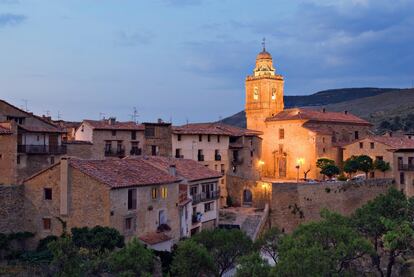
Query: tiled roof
(187, 169)
(319, 130)
(152, 238)
(41, 129)
(315, 115)
(5, 131)
(67, 124)
(394, 142)
(123, 173)
(213, 128)
(117, 125)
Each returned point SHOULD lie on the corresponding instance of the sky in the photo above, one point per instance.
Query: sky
(186, 60)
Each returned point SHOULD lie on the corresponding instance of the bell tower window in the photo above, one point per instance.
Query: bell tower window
(256, 93)
(273, 94)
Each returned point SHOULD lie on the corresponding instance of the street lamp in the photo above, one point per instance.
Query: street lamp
(299, 163)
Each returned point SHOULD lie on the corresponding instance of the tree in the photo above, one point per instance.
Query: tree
(98, 238)
(322, 163)
(66, 259)
(365, 164)
(330, 170)
(269, 242)
(253, 266)
(134, 259)
(351, 166)
(330, 247)
(384, 221)
(192, 259)
(225, 246)
(382, 166)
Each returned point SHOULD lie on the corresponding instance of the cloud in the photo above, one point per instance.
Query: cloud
(133, 39)
(8, 19)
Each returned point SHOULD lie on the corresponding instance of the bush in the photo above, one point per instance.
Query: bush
(98, 238)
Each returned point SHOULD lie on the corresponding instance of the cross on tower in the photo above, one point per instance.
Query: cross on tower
(264, 44)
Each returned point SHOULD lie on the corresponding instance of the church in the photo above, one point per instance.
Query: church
(294, 139)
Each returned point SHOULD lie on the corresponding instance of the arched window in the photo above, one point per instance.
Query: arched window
(273, 94)
(256, 93)
(247, 196)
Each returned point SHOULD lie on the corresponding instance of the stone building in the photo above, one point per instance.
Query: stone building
(398, 151)
(227, 149)
(37, 143)
(293, 139)
(137, 196)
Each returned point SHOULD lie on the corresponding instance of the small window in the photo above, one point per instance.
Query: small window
(281, 133)
(113, 133)
(208, 138)
(128, 223)
(402, 178)
(154, 150)
(132, 199)
(179, 137)
(361, 145)
(208, 207)
(324, 150)
(372, 145)
(164, 192)
(323, 139)
(178, 153)
(193, 190)
(256, 93)
(52, 160)
(133, 135)
(47, 223)
(154, 193)
(150, 131)
(273, 94)
(222, 169)
(47, 193)
(200, 137)
(251, 153)
(218, 138)
(356, 135)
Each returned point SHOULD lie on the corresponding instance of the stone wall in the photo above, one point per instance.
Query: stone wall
(260, 191)
(293, 204)
(11, 208)
(8, 155)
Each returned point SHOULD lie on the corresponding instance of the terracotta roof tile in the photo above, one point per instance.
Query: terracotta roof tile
(41, 129)
(123, 173)
(213, 128)
(394, 142)
(5, 131)
(314, 115)
(117, 125)
(187, 169)
(152, 238)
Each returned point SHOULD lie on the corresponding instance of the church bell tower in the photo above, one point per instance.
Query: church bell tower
(264, 92)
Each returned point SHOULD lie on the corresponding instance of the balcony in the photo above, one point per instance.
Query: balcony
(118, 153)
(406, 167)
(201, 158)
(237, 161)
(205, 196)
(196, 218)
(136, 151)
(42, 149)
(217, 157)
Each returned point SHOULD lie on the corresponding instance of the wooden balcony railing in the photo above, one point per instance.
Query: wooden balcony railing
(42, 149)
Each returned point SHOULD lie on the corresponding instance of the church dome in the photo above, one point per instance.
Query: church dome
(264, 55)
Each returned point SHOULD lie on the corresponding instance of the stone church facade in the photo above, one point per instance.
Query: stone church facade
(293, 139)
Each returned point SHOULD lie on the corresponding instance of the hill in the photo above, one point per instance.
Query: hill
(378, 105)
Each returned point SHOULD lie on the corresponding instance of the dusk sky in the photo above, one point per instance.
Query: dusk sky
(187, 59)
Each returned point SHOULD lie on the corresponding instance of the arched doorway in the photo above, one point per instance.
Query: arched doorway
(247, 197)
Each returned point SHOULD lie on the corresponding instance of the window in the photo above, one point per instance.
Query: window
(135, 148)
(323, 139)
(119, 147)
(162, 217)
(361, 145)
(113, 133)
(215, 167)
(193, 190)
(208, 138)
(132, 199)
(200, 137)
(402, 178)
(52, 160)
(222, 169)
(208, 206)
(251, 153)
(218, 138)
(372, 145)
(150, 131)
(179, 137)
(178, 153)
(154, 193)
(281, 133)
(108, 146)
(256, 93)
(154, 150)
(47, 223)
(356, 135)
(128, 223)
(273, 94)
(164, 192)
(200, 155)
(47, 193)
(133, 135)
(324, 150)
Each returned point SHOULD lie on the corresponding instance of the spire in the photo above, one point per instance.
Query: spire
(264, 44)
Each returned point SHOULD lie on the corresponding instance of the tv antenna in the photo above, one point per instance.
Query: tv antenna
(134, 115)
(25, 101)
(101, 115)
(59, 115)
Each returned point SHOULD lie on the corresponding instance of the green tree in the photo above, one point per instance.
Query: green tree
(225, 246)
(382, 166)
(322, 162)
(383, 220)
(330, 247)
(98, 238)
(133, 259)
(253, 266)
(365, 164)
(351, 165)
(192, 259)
(330, 170)
(269, 242)
(66, 258)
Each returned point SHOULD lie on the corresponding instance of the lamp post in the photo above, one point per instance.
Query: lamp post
(299, 162)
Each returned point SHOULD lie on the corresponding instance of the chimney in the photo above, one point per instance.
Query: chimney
(345, 112)
(323, 110)
(112, 120)
(64, 186)
(172, 170)
(160, 120)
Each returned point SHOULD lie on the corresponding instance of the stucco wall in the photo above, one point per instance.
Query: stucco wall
(293, 204)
